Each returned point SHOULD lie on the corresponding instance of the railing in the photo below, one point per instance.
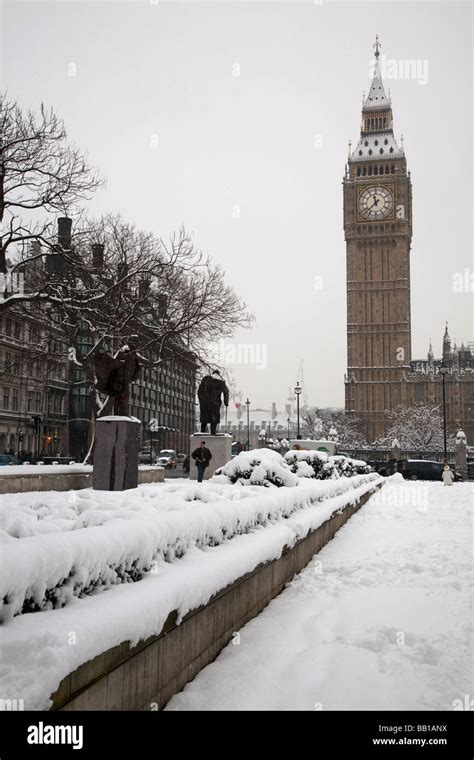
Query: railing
(385, 455)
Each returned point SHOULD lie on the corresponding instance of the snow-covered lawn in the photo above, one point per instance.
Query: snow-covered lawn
(380, 619)
(180, 542)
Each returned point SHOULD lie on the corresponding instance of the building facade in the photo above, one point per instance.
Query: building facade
(33, 387)
(377, 195)
(45, 400)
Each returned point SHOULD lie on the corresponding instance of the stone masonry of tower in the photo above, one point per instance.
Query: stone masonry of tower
(378, 229)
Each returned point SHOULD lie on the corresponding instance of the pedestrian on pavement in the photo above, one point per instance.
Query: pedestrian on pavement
(202, 456)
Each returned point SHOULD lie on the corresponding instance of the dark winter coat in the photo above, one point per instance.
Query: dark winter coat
(202, 455)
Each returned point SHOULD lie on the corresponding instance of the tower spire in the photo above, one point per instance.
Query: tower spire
(377, 46)
(446, 345)
(377, 141)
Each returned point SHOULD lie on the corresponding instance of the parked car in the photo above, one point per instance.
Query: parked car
(7, 459)
(423, 469)
(180, 458)
(167, 458)
(144, 456)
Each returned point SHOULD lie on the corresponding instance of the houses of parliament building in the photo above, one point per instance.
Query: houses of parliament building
(381, 374)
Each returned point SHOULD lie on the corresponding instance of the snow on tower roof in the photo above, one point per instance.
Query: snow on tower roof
(380, 145)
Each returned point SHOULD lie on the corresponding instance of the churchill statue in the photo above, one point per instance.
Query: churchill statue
(211, 392)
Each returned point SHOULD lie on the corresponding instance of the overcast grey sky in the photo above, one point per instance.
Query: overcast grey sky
(253, 105)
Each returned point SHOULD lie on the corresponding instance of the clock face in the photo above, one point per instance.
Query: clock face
(376, 202)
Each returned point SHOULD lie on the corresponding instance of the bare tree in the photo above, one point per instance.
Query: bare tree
(121, 281)
(41, 175)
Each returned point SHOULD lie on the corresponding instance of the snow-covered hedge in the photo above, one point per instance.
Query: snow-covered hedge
(268, 468)
(134, 532)
(260, 467)
(317, 464)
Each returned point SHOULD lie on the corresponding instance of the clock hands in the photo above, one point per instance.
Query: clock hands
(375, 203)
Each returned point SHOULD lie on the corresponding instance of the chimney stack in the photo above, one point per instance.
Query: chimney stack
(64, 232)
(97, 255)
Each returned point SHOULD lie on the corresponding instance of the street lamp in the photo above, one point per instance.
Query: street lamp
(443, 370)
(298, 390)
(20, 439)
(247, 404)
(288, 421)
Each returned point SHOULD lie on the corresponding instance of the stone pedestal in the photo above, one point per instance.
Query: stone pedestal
(116, 453)
(220, 447)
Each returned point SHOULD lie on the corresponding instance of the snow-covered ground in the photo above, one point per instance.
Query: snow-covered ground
(381, 619)
(180, 541)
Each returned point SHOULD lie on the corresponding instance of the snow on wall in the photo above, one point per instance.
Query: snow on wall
(36, 650)
(56, 546)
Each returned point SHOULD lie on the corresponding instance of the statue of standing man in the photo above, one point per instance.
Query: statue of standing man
(211, 392)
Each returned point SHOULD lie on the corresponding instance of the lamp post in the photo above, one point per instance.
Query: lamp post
(247, 404)
(298, 390)
(443, 370)
(288, 421)
(20, 439)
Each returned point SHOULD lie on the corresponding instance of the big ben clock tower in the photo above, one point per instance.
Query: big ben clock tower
(377, 228)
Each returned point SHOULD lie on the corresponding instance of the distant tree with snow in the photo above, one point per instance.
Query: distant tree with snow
(415, 427)
(326, 420)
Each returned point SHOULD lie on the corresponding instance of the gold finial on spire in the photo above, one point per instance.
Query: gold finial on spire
(377, 46)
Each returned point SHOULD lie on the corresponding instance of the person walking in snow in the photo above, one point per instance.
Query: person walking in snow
(202, 456)
(447, 476)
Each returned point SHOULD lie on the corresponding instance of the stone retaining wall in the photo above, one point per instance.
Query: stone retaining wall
(148, 675)
(37, 481)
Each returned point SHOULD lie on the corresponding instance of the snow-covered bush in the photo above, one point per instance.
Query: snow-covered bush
(317, 464)
(266, 467)
(260, 467)
(309, 464)
(349, 467)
